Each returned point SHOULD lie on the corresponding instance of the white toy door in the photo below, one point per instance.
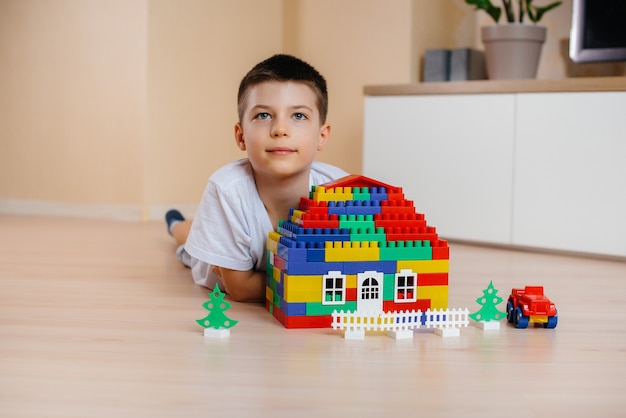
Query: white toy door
(370, 291)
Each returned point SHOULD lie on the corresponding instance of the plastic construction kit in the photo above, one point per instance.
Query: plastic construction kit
(216, 324)
(530, 305)
(489, 316)
(355, 245)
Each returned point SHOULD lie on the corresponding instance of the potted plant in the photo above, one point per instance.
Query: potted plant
(512, 50)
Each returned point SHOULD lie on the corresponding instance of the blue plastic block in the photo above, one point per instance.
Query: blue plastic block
(292, 253)
(297, 268)
(336, 208)
(363, 210)
(378, 193)
(308, 235)
(315, 254)
(293, 308)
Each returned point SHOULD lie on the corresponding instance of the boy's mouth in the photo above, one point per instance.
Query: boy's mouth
(281, 150)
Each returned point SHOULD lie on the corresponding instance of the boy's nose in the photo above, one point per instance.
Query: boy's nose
(279, 129)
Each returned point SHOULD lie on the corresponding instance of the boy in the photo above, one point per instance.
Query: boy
(282, 106)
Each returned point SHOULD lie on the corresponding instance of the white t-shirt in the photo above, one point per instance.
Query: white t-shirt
(231, 226)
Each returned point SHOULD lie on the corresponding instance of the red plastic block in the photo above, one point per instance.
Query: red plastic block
(279, 262)
(323, 321)
(319, 221)
(400, 220)
(432, 279)
(428, 233)
(390, 305)
(357, 180)
(397, 206)
(351, 293)
(441, 251)
(313, 207)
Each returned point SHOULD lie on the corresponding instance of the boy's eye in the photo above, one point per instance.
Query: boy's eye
(262, 115)
(299, 116)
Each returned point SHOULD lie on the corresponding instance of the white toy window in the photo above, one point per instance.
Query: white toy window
(406, 286)
(334, 288)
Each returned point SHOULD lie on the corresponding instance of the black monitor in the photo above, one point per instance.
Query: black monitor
(598, 31)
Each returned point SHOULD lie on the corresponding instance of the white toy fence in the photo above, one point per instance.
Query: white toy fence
(400, 324)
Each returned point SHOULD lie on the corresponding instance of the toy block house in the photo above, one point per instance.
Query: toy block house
(355, 244)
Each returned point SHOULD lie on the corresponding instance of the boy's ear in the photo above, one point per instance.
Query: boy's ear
(324, 135)
(239, 140)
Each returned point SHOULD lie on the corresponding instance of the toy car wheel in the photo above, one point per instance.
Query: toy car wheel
(552, 321)
(509, 311)
(520, 320)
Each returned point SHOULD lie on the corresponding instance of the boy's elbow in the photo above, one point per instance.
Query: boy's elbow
(236, 296)
(243, 286)
(233, 289)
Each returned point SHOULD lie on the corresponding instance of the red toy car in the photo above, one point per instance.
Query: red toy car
(531, 305)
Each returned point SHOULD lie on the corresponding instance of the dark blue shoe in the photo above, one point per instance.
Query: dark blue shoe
(172, 216)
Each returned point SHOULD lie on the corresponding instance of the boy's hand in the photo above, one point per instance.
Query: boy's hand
(242, 286)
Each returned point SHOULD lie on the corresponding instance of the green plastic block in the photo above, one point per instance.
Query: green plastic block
(389, 286)
(371, 234)
(315, 308)
(352, 222)
(406, 250)
(360, 193)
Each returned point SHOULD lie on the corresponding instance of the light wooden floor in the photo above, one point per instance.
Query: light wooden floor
(98, 319)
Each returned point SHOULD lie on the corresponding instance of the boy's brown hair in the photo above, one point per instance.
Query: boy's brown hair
(282, 67)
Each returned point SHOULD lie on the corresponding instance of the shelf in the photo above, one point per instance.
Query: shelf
(581, 84)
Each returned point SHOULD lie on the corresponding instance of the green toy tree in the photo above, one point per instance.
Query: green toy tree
(216, 307)
(489, 302)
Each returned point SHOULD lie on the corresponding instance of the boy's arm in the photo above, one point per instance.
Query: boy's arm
(242, 286)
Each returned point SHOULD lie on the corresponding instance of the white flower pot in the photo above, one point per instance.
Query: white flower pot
(513, 50)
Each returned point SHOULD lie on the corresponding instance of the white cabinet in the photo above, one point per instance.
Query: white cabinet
(570, 172)
(544, 170)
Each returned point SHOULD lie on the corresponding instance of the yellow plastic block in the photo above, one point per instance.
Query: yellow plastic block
(269, 293)
(272, 241)
(351, 281)
(335, 194)
(351, 251)
(425, 266)
(296, 217)
(302, 288)
(438, 295)
(276, 274)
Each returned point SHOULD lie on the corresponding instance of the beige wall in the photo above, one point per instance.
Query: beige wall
(72, 100)
(198, 52)
(123, 108)
(352, 42)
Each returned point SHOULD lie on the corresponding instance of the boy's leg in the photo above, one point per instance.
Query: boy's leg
(180, 231)
(174, 219)
(178, 227)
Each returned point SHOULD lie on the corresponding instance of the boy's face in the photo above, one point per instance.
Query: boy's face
(281, 129)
